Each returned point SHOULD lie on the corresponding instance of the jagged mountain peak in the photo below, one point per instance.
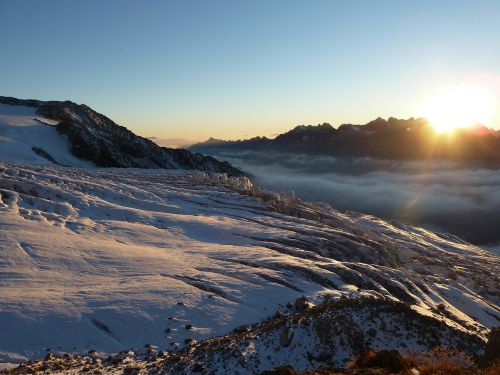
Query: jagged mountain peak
(90, 137)
(323, 126)
(392, 138)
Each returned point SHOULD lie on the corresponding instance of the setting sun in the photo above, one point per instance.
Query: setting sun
(459, 107)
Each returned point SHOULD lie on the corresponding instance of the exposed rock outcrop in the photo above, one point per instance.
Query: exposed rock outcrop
(492, 350)
(96, 138)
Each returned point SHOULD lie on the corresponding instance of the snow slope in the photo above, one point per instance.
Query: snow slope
(112, 259)
(21, 129)
(66, 133)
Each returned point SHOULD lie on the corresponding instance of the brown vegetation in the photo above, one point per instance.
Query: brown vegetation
(390, 362)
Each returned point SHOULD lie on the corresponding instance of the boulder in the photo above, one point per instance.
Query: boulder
(286, 337)
(301, 303)
(492, 350)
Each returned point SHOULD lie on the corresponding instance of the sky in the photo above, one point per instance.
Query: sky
(189, 70)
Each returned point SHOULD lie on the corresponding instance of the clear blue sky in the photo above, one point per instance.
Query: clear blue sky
(193, 69)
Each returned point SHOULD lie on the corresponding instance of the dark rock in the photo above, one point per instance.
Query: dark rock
(372, 332)
(44, 154)
(131, 370)
(286, 337)
(115, 359)
(101, 326)
(492, 350)
(301, 303)
(197, 368)
(241, 329)
(283, 370)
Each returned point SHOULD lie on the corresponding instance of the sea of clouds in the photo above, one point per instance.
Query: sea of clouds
(437, 195)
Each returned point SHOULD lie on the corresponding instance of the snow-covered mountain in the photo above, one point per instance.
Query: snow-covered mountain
(69, 134)
(113, 259)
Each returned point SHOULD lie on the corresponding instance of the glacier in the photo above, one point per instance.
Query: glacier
(112, 259)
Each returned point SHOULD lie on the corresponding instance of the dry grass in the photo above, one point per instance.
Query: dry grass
(438, 361)
(442, 361)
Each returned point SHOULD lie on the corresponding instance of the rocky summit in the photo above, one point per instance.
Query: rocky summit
(92, 137)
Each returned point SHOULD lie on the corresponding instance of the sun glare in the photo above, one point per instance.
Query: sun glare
(459, 107)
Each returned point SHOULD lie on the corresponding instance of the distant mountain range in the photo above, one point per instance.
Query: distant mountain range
(414, 139)
(71, 134)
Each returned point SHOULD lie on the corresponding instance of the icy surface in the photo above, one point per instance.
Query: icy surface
(116, 259)
(21, 129)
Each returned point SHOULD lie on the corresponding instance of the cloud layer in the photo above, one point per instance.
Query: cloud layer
(435, 195)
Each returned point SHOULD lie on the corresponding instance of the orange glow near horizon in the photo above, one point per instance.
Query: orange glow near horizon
(460, 106)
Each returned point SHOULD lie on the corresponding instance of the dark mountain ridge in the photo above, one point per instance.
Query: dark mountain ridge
(411, 139)
(94, 137)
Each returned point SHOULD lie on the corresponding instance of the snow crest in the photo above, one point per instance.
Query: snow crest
(112, 259)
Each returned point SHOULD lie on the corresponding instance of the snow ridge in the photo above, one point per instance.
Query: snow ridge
(112, 259)
(69, 134)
